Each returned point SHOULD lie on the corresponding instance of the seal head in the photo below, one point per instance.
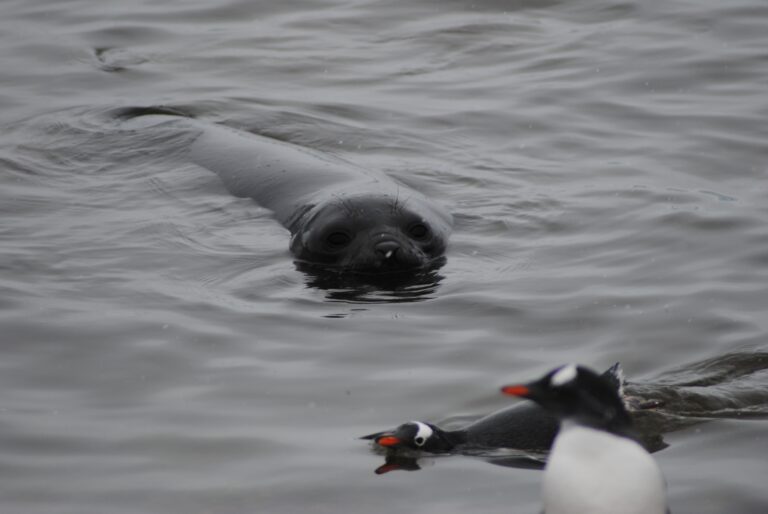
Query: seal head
(371, 233)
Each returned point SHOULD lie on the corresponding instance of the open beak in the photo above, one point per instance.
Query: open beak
(386, 439)
(371, 437)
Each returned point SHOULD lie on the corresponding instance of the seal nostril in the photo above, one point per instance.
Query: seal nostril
(387, 250)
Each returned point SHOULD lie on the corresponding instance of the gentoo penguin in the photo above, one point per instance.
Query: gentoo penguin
(523, 426)
(596, 465)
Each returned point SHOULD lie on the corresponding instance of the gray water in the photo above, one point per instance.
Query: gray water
(605, 163)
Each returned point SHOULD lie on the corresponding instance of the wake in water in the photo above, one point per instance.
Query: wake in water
(730, 386)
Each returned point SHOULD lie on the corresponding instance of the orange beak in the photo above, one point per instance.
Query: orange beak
(388, 440)
(516, 390)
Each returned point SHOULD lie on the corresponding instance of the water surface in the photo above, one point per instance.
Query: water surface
(160, 352)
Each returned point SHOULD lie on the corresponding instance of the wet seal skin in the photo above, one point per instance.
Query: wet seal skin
(341, 216)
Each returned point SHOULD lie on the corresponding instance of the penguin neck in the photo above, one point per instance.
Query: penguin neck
(620, 426)
(449, 439)
(618, 423)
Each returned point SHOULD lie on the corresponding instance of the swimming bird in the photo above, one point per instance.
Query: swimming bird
(596, 465)
(523, 426)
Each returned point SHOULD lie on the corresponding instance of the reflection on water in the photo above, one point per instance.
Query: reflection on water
(347, 287)
(398, 462)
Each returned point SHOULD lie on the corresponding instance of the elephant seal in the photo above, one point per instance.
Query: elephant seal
(341, 216)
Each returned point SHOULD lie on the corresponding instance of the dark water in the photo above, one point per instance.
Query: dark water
(606, 165)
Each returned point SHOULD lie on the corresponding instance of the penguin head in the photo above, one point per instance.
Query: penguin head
(577, 393)
(414, 435)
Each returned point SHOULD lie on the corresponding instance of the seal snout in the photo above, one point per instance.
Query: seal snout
(387, 250)
(392, 254)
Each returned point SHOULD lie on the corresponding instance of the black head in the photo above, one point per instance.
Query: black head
(578, 393)
(372, 234)
(414, 435)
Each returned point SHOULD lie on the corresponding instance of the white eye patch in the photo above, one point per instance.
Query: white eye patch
(563, 375)
(423, 433)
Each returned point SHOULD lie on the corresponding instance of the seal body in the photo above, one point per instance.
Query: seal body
(340, 215)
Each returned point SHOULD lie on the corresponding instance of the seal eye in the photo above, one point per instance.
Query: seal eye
(338, 239)
(419, 440)
(418, 231)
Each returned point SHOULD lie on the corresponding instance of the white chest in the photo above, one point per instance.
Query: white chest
(591, 471)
